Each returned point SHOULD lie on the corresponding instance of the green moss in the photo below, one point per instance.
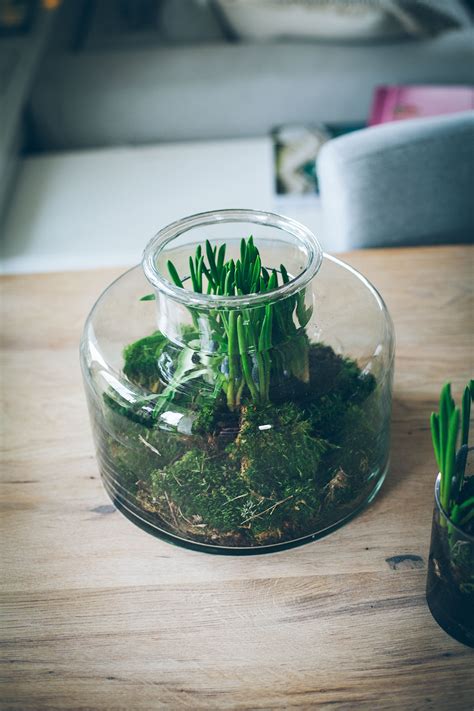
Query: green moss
(133, 443)
(141, 361)
(204, 489)
(262, 474)
(262, 481)
(277, 450)
(326, 415)
(129, 468)
(265, 481)
(213, 417)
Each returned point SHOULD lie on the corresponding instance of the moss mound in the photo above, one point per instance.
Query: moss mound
(263, 474)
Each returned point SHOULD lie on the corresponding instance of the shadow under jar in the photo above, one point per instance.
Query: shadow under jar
(450, 582)
(247, 423)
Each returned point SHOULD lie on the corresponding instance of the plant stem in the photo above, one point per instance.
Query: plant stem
(450, 459)
(466, 414)
(245, 360)
(434, 423)
(233, 350)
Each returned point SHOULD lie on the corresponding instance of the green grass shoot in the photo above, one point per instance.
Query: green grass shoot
(450, 426)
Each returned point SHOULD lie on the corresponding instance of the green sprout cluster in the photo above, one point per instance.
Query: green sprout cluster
(446, 425)
(252, 341)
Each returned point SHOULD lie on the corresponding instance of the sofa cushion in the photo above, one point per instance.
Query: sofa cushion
(224, 90)
(407, 182)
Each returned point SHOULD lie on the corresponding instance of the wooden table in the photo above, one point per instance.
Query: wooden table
(100, 615)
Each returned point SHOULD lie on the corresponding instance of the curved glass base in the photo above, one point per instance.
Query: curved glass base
(146, 522)
(446, 621)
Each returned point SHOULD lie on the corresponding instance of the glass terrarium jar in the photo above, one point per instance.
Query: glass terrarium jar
(236, 422)
(450, 581)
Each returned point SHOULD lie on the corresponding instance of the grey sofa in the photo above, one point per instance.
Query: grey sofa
(103, 95)
(402, 183)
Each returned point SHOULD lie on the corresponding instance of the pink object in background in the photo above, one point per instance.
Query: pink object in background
(396, 103)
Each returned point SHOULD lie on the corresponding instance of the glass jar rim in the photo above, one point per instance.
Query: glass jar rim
(444, 513)
(177, 228)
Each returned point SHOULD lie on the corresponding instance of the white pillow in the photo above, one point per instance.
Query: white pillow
(262, 20)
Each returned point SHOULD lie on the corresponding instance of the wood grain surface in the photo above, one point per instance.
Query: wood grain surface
(100, 615)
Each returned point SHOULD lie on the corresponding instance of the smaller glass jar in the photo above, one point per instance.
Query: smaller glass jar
(450, 583)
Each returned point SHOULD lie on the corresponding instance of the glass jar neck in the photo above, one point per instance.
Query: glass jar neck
(184, 312)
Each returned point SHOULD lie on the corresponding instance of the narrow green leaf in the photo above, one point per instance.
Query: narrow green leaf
(244, 358)
(467, 518)
(252, 250)
(268, 336)
(238, 276)
(466, 415)
(233, 344)
(434, 422)
(466, 504)
(273, 281)
(262, 339)
(284, 274)
(301, 314)
(461, 461)
(256, 274)
(243, 249)
(246, 275)
(262, 375)
(199, 272)
(212, 262)
(225, 323)
(148, 297)
(193, 274)
(209, 277)
(449, 401)
(174, 274)
(445, 395)
(222, 281)
(450, 460)
(455, 514)
(463, 513)
(221, 257)
(241, 335)
(228, 284)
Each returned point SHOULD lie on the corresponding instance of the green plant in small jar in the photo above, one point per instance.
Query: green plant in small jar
(450, 584)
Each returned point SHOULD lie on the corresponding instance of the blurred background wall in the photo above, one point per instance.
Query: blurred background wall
(90, 74)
